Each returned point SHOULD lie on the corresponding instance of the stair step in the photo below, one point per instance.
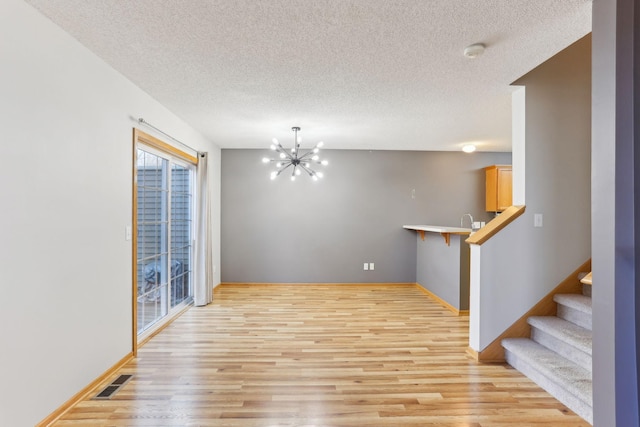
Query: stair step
(565, 338)
(575, 301)
(575, 308)
(563, 379)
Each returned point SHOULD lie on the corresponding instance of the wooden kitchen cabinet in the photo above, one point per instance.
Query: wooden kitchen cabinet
(499, 185)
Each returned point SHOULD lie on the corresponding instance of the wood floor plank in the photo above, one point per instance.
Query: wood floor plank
(319, 355)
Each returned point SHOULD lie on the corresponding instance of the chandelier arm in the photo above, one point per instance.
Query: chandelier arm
(283, 168)
(310, 171)
(306, 155)
(281, 149)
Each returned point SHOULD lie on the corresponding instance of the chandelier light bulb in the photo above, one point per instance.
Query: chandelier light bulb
(324, 163)
(297, 171)
(314, 177)
(273, 147)
(315, 158)
(283, 156)
(275, 141)
(274, 175)
(320, 175)
(265, 160)
(320, 144)
(293, 177)
(279, 164)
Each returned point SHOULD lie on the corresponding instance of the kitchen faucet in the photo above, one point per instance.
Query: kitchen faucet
(470, 218)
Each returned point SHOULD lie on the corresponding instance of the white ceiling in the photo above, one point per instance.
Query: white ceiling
(358, 74)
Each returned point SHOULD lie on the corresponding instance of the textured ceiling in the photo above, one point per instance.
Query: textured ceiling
(358, 74)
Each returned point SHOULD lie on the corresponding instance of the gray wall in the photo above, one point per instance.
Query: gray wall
(558, 176)
(523, 263)
(444, 269)
(66, 266)
(307, 232)
(616, 299)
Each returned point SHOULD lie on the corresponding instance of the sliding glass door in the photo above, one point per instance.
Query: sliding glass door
(181, 232)
(165, 210)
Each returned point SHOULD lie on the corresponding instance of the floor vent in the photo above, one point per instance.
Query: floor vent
(111, 389)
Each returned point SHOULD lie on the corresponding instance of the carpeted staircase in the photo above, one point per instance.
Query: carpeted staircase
(558, 355)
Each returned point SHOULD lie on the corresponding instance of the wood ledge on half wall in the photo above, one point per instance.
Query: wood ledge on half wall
(495, 225)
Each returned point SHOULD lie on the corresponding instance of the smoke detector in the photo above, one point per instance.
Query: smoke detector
(474, 50)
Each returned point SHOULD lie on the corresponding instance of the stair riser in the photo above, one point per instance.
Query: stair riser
(562, 348)
(577, 317)
(573, 402)
(586, 290)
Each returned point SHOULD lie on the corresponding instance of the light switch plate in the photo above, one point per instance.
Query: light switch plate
(366, 266)
(372, 266)
(537, 220)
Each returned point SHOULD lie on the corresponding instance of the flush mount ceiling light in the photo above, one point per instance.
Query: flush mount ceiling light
(474, 50)
(294, 159)
(469, 148)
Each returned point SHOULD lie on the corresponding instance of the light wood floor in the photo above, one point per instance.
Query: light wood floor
(321, 355)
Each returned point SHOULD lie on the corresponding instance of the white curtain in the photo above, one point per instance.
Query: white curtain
(203, 287)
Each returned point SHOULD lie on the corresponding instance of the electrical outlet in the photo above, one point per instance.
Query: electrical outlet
(128, 232)
(372, 266)
(366, 266)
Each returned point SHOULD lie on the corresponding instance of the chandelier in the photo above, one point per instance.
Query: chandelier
(295, 160)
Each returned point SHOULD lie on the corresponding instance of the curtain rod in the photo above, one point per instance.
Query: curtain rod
(144, 122)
